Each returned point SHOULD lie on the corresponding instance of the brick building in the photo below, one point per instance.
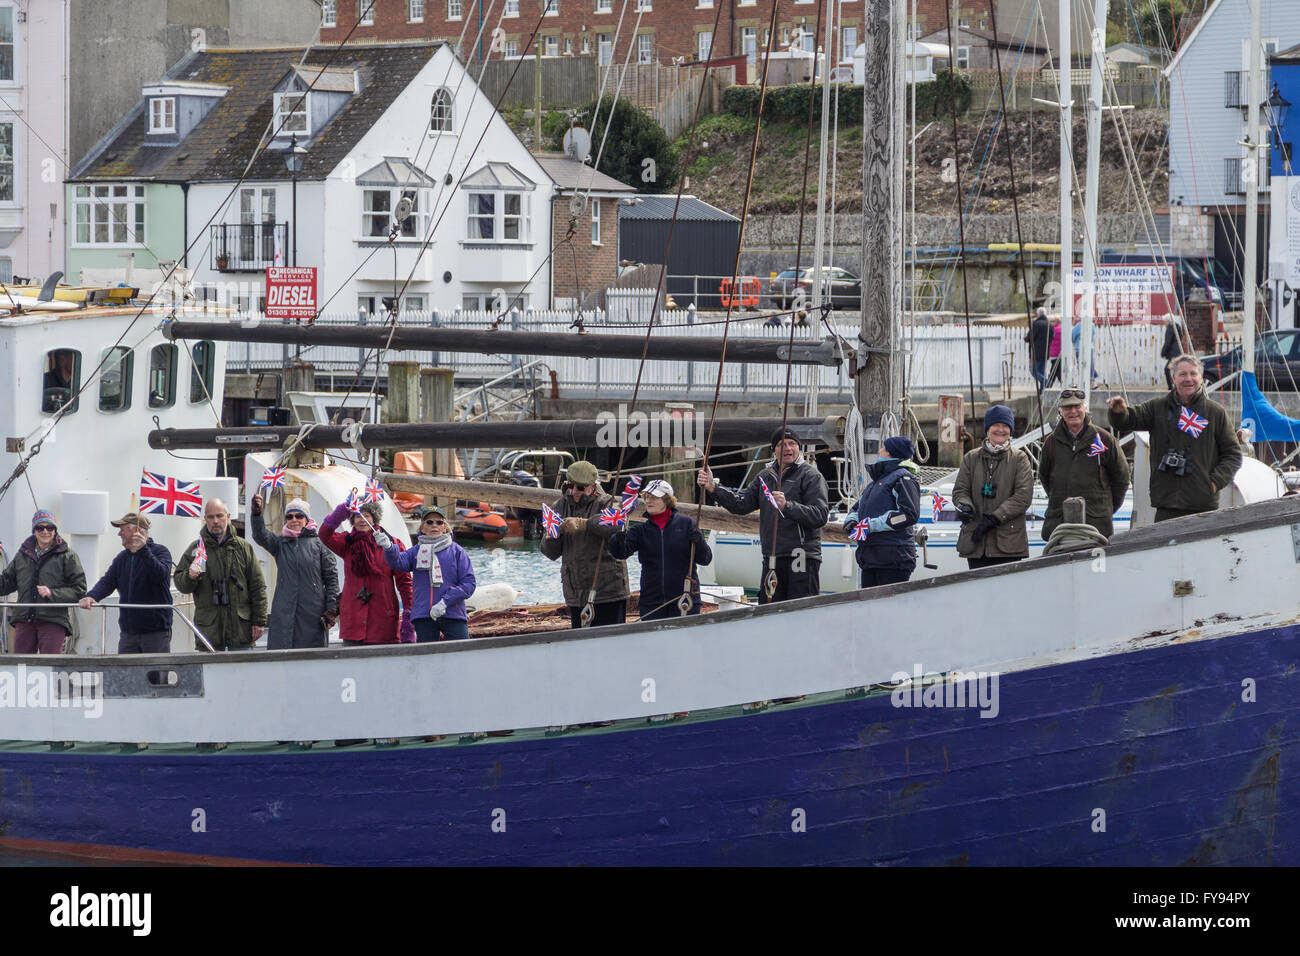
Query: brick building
(587, 262)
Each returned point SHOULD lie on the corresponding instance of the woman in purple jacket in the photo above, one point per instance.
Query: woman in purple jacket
(442, 578)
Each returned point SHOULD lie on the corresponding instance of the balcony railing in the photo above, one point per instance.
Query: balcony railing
(1233, 182)
(1236, 88)
(248, 246)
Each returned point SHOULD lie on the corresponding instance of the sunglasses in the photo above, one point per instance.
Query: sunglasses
(295, 516)
(435, 520)
(44, 527)
(1072, 393)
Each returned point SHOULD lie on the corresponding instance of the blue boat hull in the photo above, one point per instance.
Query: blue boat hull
(1157, 746)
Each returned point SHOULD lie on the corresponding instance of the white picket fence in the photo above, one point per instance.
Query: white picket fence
(1125, 356)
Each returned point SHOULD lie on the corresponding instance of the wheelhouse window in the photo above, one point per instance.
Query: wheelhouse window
(108, 215)
(440, 116)
(62, 380)
(162, 376)
(204, 358)
(115, 379)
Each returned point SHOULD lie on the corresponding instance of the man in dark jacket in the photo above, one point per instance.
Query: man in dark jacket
(789, 521)
(589, 574)
(1080, 460)
(889, 509)
(1194, 449)
(1039, 337)
(140, 574)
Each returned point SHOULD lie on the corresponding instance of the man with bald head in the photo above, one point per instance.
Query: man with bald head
(228, 587)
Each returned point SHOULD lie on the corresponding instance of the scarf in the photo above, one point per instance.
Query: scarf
(288, 532)
(364, 557)
(993, 449)
(440, 542)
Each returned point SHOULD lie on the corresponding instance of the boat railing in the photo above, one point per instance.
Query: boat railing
(104, 609)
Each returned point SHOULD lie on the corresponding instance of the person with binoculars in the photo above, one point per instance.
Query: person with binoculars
(1194, 449)
(228, 587)
(994, 487)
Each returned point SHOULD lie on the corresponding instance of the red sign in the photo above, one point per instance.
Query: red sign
(290, 292)
(1129, 291)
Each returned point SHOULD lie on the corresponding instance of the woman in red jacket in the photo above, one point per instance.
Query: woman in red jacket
(368, 602)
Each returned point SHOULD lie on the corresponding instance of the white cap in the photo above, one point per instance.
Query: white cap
(659, 488)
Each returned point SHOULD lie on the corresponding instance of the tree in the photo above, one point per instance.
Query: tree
(637, 151)
(1157, 20)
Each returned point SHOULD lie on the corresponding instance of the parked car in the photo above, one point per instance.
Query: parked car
(842, 288)
(1277, 362)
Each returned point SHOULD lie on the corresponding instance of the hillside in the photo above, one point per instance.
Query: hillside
(718, 171)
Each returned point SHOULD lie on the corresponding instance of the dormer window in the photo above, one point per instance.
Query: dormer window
(291, 115)
(162, 114)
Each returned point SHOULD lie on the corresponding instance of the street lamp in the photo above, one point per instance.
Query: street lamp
(293, 162)
(1277, 107)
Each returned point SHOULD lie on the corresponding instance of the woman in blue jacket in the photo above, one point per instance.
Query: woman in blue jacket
(662, 543)
(442, 577)
(889, 509)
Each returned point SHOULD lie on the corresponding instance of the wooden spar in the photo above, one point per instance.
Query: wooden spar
(673, 348)
(518, 496)
(610, 432)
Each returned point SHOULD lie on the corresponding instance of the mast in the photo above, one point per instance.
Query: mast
(819, 279)
(1090, 244)
(1251, 182)
(881, 222)
(1064, 63)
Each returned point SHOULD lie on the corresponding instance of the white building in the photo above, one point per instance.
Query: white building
(376, 126)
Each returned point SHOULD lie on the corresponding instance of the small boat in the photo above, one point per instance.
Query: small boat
(482, 522)
(76, 294)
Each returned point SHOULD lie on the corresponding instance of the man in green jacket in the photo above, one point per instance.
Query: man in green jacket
(1080, 460)
(588, 570)
(229, 590)
(1194, 450)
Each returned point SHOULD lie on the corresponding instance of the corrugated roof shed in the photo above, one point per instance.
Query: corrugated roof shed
(661, 207)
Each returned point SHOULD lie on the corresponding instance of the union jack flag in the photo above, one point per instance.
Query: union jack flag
(1098, 447)
(551, 521)
(353, 502)
(201, 553)
(630, 490)
(770, 497)
(1191, 422)
(613, 517)
(374, 491)
(939, 502)
(160, 495)
(273, 478)
(859, 532)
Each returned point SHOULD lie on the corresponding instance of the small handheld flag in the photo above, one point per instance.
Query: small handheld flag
(859, 532)
(160, 495)
(273, 478)
(938, 503)
(374, 491)
(201, 555)
(1098, 447)
(353, 502)
(1191, 422)
(770, 497)
(550, 521)
(630, 492)
(613, 517)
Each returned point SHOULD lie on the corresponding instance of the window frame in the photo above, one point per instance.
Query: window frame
(457, 5)
(552, 8)
(645, 53)
(15, 77)
(960, 51)
(644, 6)
(94, 200)
(700, 53)
(168, 394)
(203, 369)
(511, 9)
(366, 13)
(595, 222)
(168, 104)
(499, 217)
(75, 384)
(604, 49)
(11, 162)
(126, 365)
(413, 229)
(329, 13)
(604, 6)
(283, 127)
(447, 106)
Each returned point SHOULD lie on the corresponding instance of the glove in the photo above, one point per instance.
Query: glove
(572, 525)
(336, 517)
(406, 630)
(257, 504)
(877, 524)
(987, 524)
(438, 610)
(965, 514)
(850, 522)
(383, 540)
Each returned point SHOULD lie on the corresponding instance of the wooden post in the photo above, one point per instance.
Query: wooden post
(300, 377)
(950, 419)
(437, 388)
(882, 195)
(403, 392)
(682, 460)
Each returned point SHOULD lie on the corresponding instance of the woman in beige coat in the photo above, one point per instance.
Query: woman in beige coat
(994, 488)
